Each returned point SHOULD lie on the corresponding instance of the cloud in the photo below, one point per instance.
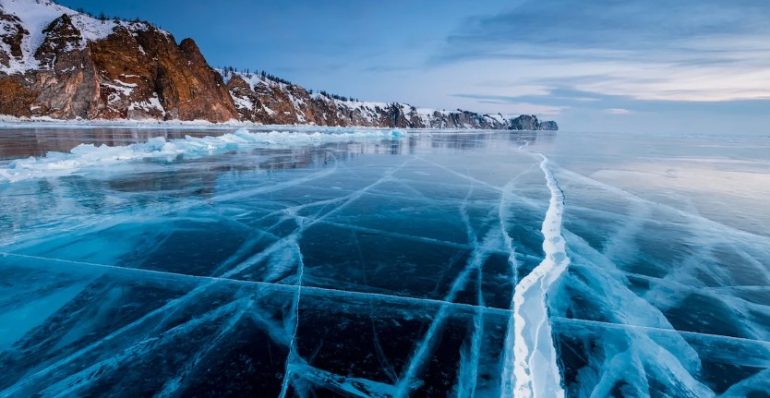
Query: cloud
(689, 50)
(618, 111)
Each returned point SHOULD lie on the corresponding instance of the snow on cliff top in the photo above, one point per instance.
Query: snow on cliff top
(367, 108)
(36, 15)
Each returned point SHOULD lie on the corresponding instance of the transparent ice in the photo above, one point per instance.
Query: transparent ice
(379, 263)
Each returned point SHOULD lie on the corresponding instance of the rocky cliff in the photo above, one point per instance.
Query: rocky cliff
(530, 122)
(58, 63)
(262, 99)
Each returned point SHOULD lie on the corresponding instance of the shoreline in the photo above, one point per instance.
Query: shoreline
(11, 122)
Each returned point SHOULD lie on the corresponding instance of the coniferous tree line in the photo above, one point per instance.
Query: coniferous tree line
(228, 70)
(249, 74)
(104, 17)
(338, 97)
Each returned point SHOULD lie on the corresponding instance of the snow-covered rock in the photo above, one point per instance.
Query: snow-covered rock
(61, 64)
(58, 63)
(263, 99)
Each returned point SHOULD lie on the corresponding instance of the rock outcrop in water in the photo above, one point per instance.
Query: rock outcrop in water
(530, 122)
(58, 63)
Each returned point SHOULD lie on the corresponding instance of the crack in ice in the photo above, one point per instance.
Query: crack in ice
(535, 369)
(417, 359)
(293, 339)
(171, 276)
(507, 375)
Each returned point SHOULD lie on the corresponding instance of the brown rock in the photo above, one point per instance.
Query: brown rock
(261, 99)
(137, 72)
(15, 97)
(188, 88)
(140, 72)
(127, 77)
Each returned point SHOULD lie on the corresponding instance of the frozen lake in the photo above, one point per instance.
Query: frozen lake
(379, 263)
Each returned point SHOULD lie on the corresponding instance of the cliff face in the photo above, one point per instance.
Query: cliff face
(530, 122)
(92, 69)
(61, 64)
(261, 99)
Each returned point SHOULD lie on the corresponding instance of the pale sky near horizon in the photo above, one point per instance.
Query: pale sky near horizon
(604, 65)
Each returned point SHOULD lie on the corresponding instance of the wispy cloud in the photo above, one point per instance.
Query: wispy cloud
(617, 111)
(689, 50)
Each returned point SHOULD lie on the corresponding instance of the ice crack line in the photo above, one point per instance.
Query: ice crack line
(293, 355)
(534, 368)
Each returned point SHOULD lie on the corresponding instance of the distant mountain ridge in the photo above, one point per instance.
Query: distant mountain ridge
(62, 64)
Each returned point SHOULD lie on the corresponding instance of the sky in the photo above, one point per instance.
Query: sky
(593, 65)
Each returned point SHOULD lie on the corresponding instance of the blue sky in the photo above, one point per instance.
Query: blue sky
(606, 65)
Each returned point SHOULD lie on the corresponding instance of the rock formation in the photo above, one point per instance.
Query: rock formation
(58, 63)
(530, 122)
(93, 69)
(262, 99)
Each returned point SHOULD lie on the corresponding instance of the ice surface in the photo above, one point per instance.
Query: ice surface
(534, 358)
(87, 156)
(369, 263)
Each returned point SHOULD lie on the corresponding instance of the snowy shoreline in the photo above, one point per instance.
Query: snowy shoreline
(10, 122)
(15, 122)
